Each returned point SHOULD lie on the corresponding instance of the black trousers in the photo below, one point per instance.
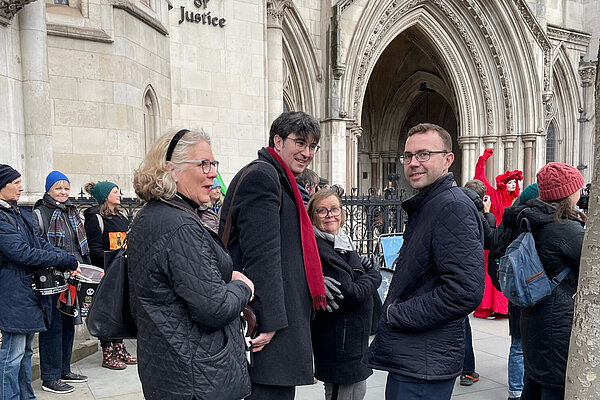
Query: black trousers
(469, 361)
(534, 391)
(270, 392)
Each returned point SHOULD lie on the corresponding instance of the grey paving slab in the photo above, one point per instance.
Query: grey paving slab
(490, 341)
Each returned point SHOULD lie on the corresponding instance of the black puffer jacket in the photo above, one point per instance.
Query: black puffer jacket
(340, 339)
(439, 280)
(186, 307)
(546, 327)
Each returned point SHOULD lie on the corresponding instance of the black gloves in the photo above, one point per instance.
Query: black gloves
(332, 291)
(367, 263)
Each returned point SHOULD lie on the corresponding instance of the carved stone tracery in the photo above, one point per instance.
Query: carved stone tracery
(275, 11)
(393, 13)
(10, 8)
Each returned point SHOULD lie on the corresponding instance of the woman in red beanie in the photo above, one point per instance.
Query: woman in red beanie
(506, 191)
(558, 230)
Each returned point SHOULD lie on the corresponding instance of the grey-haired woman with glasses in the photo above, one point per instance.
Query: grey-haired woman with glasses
(185, 297)
(340, 337)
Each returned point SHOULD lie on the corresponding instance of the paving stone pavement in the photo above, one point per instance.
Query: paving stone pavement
(491, 343)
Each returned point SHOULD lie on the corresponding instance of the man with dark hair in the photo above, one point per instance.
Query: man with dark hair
(271, 239)
(438, 279)
(477, 186)
(307, 184)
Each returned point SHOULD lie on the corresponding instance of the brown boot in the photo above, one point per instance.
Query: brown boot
(123, 354)
(110, 360)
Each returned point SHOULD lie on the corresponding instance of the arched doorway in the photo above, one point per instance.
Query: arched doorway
(408, 86)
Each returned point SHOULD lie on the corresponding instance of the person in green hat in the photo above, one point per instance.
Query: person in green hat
(106, 225)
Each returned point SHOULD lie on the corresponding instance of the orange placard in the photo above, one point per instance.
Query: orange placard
(116, 239)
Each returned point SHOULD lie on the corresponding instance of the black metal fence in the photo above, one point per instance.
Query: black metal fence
(371, 215)
(131, 205)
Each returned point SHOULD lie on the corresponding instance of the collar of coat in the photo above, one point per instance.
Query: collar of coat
(264, 155)
(445, 182)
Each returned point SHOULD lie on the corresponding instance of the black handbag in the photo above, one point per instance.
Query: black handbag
(109, 316)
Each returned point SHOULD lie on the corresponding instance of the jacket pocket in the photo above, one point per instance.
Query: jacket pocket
(349, 332)
(225, 374)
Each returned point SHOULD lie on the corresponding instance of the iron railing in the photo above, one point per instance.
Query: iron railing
(371, 215)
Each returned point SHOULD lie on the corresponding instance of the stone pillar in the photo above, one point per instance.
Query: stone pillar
(374, 161)
(529, 140)
(468, 145)
(587, 72)
(36, 100)
(509, 141)
(275, 9)
(352, 179)
(490, 166)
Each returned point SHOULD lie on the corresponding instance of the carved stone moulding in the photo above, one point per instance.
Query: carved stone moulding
(10, 8)
(587, 71)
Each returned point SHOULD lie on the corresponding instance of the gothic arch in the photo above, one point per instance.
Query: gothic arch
(301, 67)
(151, 117)
(489, 75)
(567, 102)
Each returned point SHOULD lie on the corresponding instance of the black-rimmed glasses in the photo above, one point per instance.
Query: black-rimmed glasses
(301, 145)
(323, 212)
(421, 156)
(206, 164)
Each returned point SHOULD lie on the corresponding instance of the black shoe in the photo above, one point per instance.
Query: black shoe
(469, 379)
(72, 377)
(57, 387)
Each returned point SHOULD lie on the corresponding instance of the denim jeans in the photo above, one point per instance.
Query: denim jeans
(56, 345)
(516, 369)
(15, 365)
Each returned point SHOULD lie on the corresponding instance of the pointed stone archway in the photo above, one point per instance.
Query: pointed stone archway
(481, 58)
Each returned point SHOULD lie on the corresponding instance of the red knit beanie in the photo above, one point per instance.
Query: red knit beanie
(558, 180)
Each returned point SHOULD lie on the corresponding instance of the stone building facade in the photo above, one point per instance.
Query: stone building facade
(89, 84)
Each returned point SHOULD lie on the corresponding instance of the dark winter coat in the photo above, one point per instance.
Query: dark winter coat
(99, 240)
(46, 207)
(265, 242)
(438, 281)
(504, 235)
(341, 338)
(546, 327)
(21, 253)
(186, 307)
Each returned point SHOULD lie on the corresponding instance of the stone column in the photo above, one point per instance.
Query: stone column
(469, 158)
(36, 99)
(490, 166)
(354, 133)
(509, 141)
(275, 9)
(374, 162)
(529, 140)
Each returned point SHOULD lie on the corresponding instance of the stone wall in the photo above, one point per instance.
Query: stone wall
(98, 98)
(218, 77)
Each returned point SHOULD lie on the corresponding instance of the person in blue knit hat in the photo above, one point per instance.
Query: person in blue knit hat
(22, 312)
(57, 220)
(215, 196)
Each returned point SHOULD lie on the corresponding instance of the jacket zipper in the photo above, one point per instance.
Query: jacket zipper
(344, 335)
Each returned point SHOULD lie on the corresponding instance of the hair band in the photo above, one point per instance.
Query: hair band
(174, 141)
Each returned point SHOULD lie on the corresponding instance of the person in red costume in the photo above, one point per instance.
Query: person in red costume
(506, 191)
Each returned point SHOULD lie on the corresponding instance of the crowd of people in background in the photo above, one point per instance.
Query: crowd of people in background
(276, 245)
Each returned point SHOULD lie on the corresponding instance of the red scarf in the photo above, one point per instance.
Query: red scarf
(310, 253)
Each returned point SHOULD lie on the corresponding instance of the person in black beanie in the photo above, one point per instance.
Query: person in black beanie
(22, 253)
